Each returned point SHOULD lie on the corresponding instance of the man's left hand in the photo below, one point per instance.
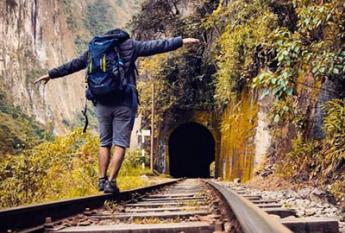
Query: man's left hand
(44, 78)
(191, 41)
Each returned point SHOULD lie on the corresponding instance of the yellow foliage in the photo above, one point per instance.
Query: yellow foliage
(64, 168)
(338, 189)
(151, 74)
(323, 159)
(153, 65)
(237, 44)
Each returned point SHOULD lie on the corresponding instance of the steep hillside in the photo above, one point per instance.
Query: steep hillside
(273, 74)
(19, 131)
(37, 35)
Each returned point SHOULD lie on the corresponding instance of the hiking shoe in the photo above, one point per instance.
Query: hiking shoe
(111, 187)
(101, 183)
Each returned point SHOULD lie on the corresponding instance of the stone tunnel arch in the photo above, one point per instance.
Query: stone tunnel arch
(191, 151)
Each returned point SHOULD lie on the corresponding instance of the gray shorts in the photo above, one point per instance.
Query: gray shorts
(115, 124)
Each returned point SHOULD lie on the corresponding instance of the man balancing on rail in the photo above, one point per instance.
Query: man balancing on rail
(111, 77)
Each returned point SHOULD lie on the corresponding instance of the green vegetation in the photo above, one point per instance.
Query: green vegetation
(321, 160)
(18, 130)
(98, 19)
(263, 49)
(70, 18)
(259, 46)
(282, 49)
(286, 50)
(182, 79)
(245, 26)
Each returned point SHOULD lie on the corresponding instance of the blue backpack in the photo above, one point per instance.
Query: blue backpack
(105, 72)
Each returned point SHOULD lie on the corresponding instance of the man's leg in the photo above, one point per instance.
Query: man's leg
(122, 128)
(105, 121)
(103, 159)
(116, 162)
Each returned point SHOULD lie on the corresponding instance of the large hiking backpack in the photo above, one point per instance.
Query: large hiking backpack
(105, 72)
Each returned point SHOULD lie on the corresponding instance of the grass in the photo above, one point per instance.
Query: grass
(135, 180)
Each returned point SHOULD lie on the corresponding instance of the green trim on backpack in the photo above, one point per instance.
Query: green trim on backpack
(104, 64)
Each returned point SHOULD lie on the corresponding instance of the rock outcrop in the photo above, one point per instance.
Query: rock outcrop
(39, 34)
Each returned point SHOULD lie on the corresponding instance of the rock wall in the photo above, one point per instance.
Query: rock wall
(37, 35)
(238, 138)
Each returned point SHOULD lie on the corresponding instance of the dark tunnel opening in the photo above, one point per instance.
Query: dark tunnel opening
(191, 151)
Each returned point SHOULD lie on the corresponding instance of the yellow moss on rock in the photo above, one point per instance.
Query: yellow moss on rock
(237, 150)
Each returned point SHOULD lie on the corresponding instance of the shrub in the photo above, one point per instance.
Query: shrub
(66, 167)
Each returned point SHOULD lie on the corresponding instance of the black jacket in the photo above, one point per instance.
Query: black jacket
(129, 51)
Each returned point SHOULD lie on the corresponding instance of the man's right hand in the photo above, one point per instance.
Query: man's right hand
(44, 78)
(191, 41)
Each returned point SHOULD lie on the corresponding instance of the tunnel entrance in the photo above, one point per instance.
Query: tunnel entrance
(191, 151)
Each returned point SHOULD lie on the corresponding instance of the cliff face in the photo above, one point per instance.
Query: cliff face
(37, 35)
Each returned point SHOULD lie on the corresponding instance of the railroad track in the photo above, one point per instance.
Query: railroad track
(286, 216)
(190, 205)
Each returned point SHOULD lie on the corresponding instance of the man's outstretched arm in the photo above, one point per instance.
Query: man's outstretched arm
(74, 65)
(152, 47)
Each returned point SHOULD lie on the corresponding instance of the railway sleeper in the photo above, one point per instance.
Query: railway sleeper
(311, 224)
(173, 199)
(184, 207)
(192, 227)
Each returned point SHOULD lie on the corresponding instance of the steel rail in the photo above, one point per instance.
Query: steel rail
(251, 218)
(33, 216)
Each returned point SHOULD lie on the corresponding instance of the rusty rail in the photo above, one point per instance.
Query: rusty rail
(32, 217)
(251, 218)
